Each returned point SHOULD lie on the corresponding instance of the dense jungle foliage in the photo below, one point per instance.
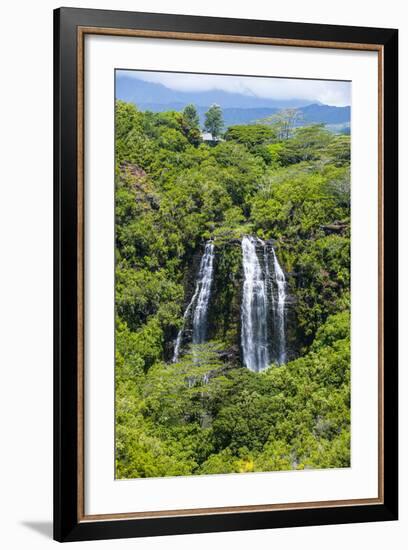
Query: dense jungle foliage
(206, 413)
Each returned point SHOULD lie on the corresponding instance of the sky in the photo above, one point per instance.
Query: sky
(336, 93)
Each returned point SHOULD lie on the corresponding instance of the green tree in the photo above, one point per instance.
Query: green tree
(251, 135)
(308, 143)
(214, 121)
(192, 124)
(191, 116)
(284, 122)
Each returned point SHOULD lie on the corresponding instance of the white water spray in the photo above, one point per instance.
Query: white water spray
(199, 302)
(254, 309)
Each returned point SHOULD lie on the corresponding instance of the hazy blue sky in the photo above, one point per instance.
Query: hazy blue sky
(328, 92)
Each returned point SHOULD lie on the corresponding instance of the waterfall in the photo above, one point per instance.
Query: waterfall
(262, 308)
(199, 302)
(263, 335)
(181, 331)
(280, 321)
(205, 278)
(268, 277)
(254, 309)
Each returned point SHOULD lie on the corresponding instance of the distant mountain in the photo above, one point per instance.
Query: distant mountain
(237, 108)
(337, 119)
(328, 114)
(232, 115)
(141, 93)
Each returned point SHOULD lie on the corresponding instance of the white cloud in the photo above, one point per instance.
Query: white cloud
(325, 91)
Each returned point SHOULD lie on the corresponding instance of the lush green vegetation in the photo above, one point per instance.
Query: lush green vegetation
(206, 413)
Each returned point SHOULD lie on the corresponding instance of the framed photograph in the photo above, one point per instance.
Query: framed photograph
(225, 274)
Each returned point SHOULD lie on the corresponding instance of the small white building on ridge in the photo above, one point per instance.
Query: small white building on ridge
(207, 136)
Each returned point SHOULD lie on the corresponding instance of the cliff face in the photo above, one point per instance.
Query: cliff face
(225, 305)
(225, 308)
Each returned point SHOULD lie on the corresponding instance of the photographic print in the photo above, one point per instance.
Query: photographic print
(232, 283)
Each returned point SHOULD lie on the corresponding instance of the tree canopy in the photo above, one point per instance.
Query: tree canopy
(214, 122)
(206, 413)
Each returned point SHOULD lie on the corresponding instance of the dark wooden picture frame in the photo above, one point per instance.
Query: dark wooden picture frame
(70, 27)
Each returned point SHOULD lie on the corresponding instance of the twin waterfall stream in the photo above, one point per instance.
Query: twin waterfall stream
(263, 339)
(261, 310)
(199, 301)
